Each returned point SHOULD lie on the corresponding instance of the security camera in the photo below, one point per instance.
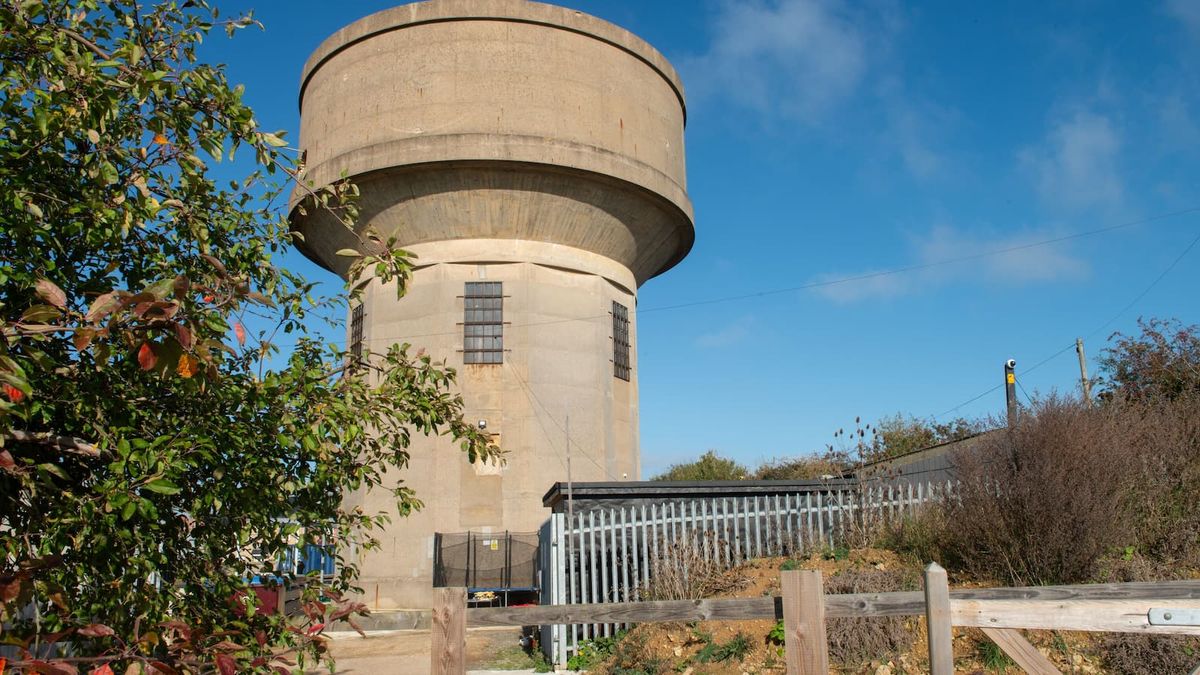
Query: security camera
(1011, 363)
(482, 424)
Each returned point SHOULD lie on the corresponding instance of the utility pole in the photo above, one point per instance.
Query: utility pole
(570, 498)
(1010, 390)
(1084, 382)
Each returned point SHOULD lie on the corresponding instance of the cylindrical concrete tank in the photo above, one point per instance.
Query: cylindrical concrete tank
(532, 157)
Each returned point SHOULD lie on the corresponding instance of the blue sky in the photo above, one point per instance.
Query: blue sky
(829, 140)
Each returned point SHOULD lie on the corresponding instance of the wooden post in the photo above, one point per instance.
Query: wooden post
(448, 637)
(1026, 655)
(937, 621)
(805, 644)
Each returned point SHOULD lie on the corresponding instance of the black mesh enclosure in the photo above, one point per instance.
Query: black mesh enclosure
(499, 561)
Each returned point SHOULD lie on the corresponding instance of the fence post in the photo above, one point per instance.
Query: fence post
(805, 644)
(448, 636)
(937, 620)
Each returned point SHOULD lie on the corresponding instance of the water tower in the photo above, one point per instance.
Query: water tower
(532, 157)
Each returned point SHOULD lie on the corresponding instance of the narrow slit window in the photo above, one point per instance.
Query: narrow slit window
(620, 330)
(483, 322)
(356, 333)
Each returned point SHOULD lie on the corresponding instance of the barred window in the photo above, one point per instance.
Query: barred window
(483, 322)
(356, 333)
(620, 337)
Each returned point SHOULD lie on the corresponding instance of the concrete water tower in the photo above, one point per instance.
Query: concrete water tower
(532, 157)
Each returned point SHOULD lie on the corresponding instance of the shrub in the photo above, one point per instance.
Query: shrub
(853, 641)
(1044, 501)
(681, 571)
(632, 655)
(801, 468)
(921, 536)
(592, 652)
(710, 466)
(1136, 654)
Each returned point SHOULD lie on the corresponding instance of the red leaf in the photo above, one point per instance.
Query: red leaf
(15, 395)
(225, 664)
(9, 592)
(184, 335)
(103, 306)
(103, 670)
(240, 331)
(83, 337)
(6, 461)
(53, 668)
(52, 294)
(96, 630)
(315, 628)
(163, 668)
(145, 356)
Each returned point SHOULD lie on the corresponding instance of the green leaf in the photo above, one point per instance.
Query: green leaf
(349, 253)
(162, 486)
(273, 139)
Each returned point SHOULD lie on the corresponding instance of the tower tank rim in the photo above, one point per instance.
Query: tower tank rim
(517, 11)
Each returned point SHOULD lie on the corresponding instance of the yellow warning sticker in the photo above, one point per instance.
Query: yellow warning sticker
(1012, 379)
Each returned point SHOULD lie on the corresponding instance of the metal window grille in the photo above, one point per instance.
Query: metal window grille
(356, 333)
(483, 322)
(620, 329)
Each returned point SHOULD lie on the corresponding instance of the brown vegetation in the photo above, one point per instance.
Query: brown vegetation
(1069, 494)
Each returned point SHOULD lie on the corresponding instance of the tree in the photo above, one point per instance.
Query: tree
(710, 466)
(151, 459)
(902, 434)
(1162, 362)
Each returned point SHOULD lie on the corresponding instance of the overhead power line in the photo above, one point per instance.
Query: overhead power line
(827, 282)
(1132, 303)
(534, 398)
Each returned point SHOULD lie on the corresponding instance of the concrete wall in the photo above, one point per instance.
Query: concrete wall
(558, 363)
(512, 141)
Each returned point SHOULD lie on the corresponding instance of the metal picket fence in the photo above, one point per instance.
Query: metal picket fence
(608, 555)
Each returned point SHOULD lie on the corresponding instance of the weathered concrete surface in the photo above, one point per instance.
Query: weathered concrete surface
(561, 127)
(512, 141)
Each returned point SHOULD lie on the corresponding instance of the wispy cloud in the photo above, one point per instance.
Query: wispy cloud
(1024, 265)
(733, 333)
(794, 58)
(1077, 165)
(1187, 12)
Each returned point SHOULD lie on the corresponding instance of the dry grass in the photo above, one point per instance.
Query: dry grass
(682, 571)
(855, 641)
(1149, 654)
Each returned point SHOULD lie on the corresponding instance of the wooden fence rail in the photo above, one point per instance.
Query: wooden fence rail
(1001, 612)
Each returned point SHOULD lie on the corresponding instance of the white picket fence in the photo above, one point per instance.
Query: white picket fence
(608, 554)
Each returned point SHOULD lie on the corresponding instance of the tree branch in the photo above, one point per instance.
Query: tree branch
(70, 444)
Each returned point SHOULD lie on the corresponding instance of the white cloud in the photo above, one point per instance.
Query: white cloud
(1187, 12)
(794, 58)
(731, 334)
(1020, 263)
(1076, 168)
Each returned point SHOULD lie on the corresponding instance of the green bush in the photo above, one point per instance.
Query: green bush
(778, 634)
(592, 652)
(714, 652)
